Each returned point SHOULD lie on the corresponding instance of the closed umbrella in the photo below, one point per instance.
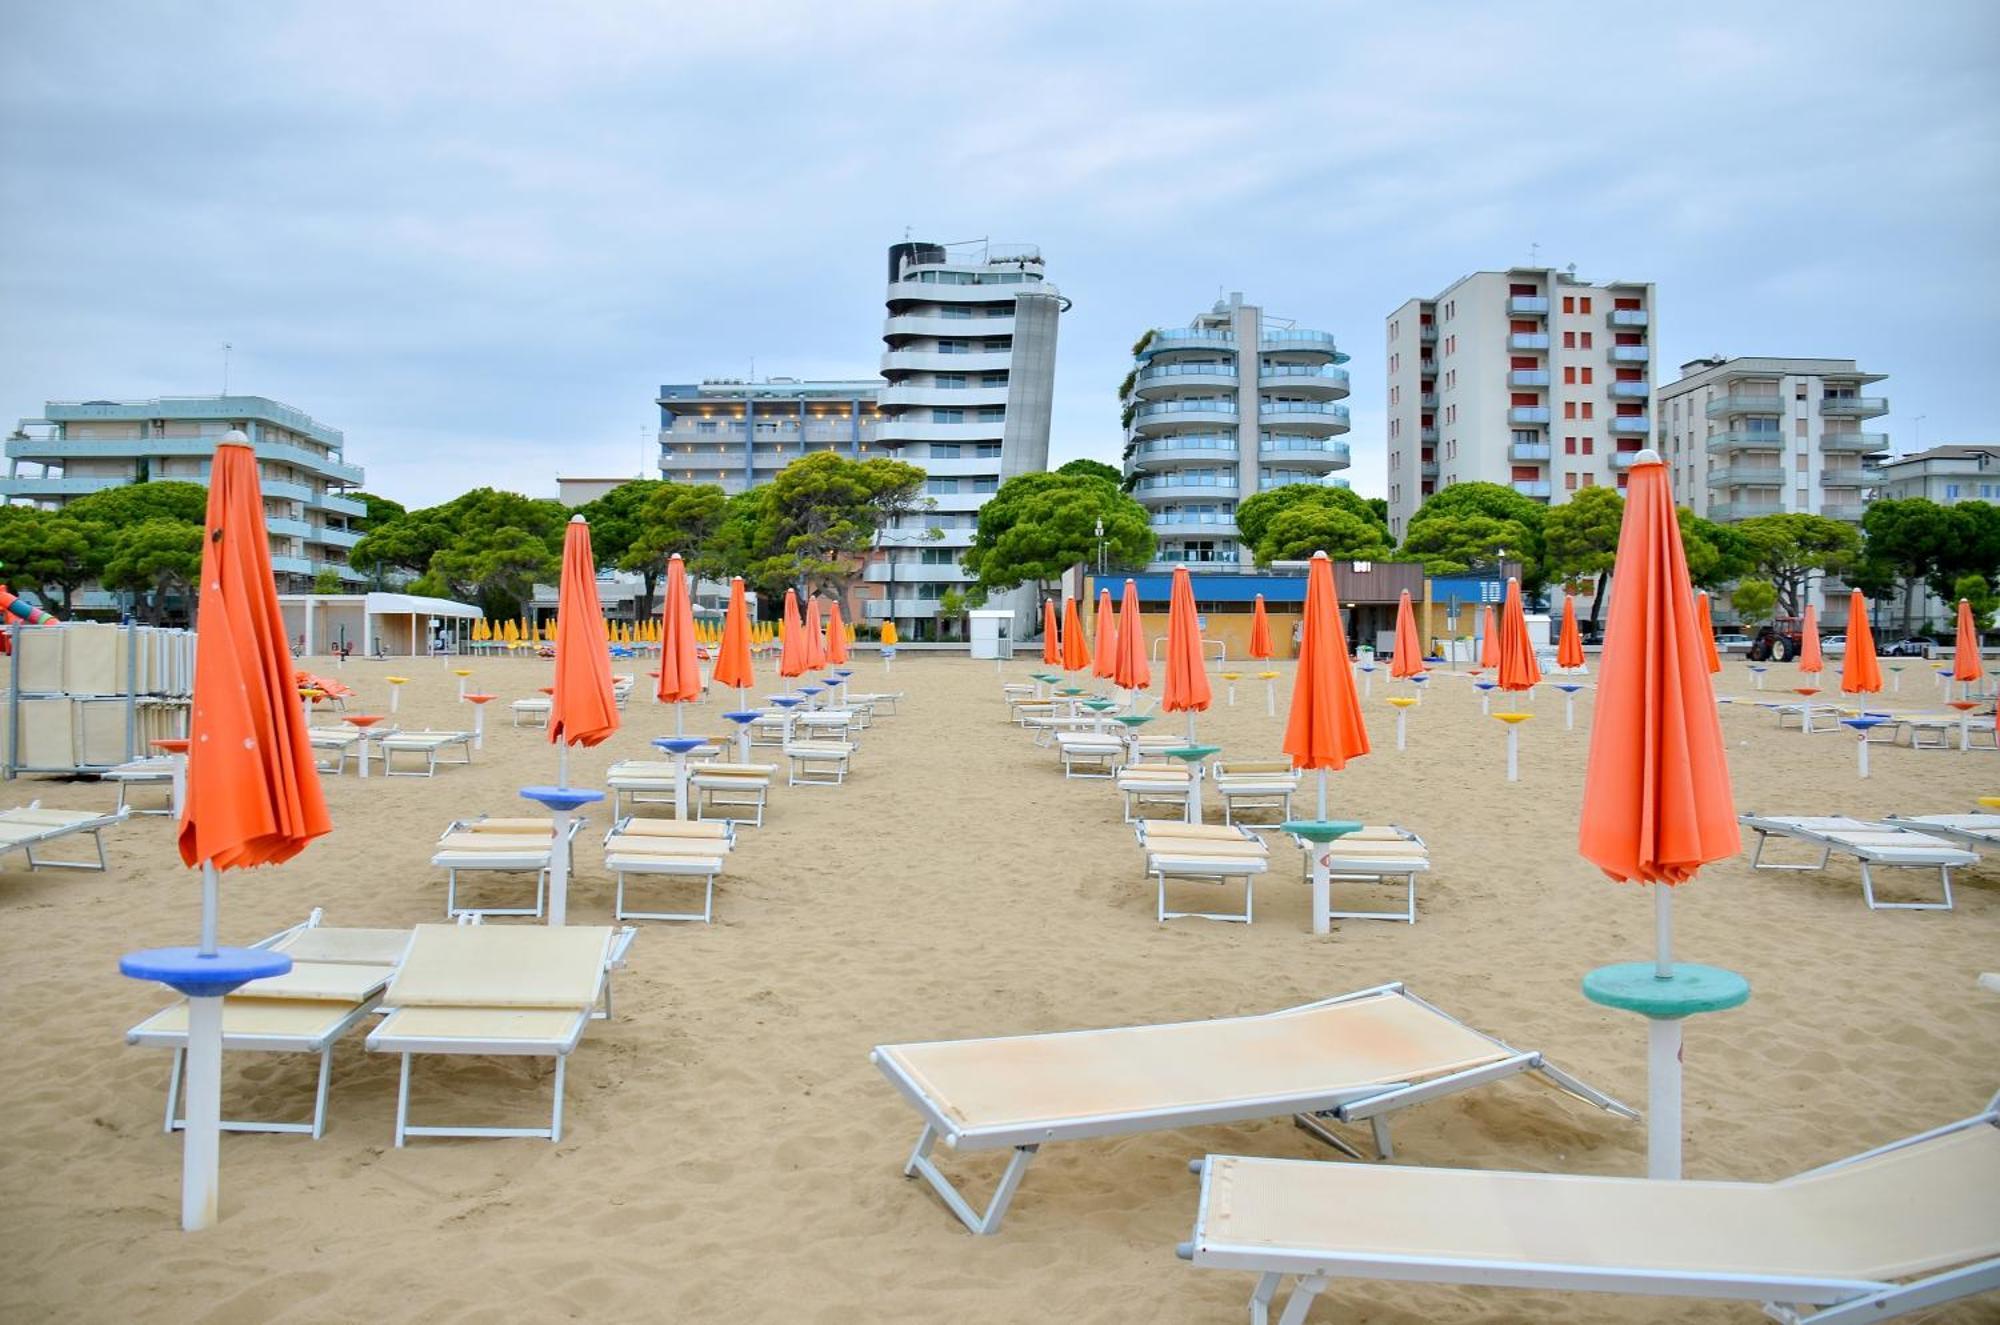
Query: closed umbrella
(1860, 669)
(1707, 625)
(581, 708)
(792, 651)
(1657, 804)
(680, 670)
(1489, 642)
(1187, 689)
(809, 637)
(1518, 668)
(1075, 654)
(836, 634)
(1260, 631)
(1051, 638)
(732, 663)
(1325, 728)
(1809, 654)
(252, 794)
(1569, 646)
(1408, 659)
(1966, 664)
(1104, 660)
(1133, 671)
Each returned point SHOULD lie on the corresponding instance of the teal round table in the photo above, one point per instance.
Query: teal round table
(1665, 1002)
(1192, 755)
(1317, 833)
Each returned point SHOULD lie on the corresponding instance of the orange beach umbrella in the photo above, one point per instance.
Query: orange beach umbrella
(1966, 664)
(732, 665)
(1569, 646)
(792, 653)
(1260, 631)
(1133, 672)
(1051, 638)
(581, 710)
(1489, 642)
(1104, 662)
(836, 634)
(1408, 658)
(1325, 728)
(1860, 669)
(680, 673)
(1809, 654)
(1518, 668)
(1707, 625)
(809, 638)
(1187, 689)
(1075, 655)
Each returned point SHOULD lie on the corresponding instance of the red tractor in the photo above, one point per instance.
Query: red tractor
(1779, 641)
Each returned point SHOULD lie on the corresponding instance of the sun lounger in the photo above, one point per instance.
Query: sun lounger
(30, 828)
(1351, 1059)
(524, 990)
(149, 771)
(648, 781)
(1941, 731)
(334, 746)
(1087, 754)
(730, 788)
(826, 725)
(1255, 784)
(530, 712)
(880, 703)
(671, 848)
(1872, 844)
(1375, 854)
(1151, 783)
(817, 763)
(502, 846)
(335, 983)
(1203, 859)
(1976, 832)
(1905, 1226)
(429, 744)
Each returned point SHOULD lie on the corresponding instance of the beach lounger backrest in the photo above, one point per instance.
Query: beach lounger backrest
(674, 828)
(525, 827)
(496, 843)
(328, 943)
(502, 966)
(37, 817)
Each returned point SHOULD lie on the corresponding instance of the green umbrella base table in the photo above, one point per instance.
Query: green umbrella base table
(1316, 833)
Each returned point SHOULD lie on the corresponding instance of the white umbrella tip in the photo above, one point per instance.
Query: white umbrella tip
(1647, 457)
(1320, 555)
(236, 436)
(577, 519)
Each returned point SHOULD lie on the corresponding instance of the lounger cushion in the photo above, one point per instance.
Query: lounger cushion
(531, 826)
(549, 1026)
(494, 843)
(298, 1019)
(501, 966)
(340, 982)
(331, 943)
(673, 828)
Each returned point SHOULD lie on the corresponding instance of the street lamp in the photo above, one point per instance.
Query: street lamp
(1100, 547)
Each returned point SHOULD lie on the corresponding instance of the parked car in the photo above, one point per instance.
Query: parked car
(1909, 647)
(1727, 642)
(1835, 644)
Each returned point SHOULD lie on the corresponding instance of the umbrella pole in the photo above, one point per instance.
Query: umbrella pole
(1861, 752)
(1513, 753)
(1569, 712)
(1322, 795)
(200, 1148)
(562, 763)
(1270, 699)
(1663, 1055)
(1402, 718)
(559, 868)
(678, 720)
(1190, 726)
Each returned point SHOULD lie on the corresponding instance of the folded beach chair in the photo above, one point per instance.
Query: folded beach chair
(30, 828)
(526, 990)
(880, 703)
(1161, 784)
(1976, 832)
(1351, 1059)
(149, 771)
(502, 846)
(336, 981)
(1908, 1225)
(530, 712)
(1255, 784)
(671, 848)
(429, 744)
(648, 781)
(817, 763)
(722, 791)
(1872, 844)
(1378, 853)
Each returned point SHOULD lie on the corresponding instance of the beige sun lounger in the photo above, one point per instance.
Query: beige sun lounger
(1255, 784)
(648, 781)
(335, 983)
(1202, 853)
(1350, 1059)
(1377, 853)
(30, 828)
(1154, 784)
(147, 771)
(1906, 1226)
(1976, 832)
(530, 712)
(498, 845)
(817, 763)
(429, 744)
(671, 848)
(1872, 844)
(729, 788)
(491, 989)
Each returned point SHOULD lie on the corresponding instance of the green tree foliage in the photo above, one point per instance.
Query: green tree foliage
(1754, 601)
(496, 568)
(1906, 541)
(823, 512)
(1475, 510)
(1975, 589)
(155, 558)
(1580, 540)
(327, 581)
(1789, 549)
(1974, 548)
(1295, 521)
(381, 510)
(636, 526)
(1716, 554)
(1039, 525)
(1092, 468)
(51, 553)
(1379, 507)
(484, 546)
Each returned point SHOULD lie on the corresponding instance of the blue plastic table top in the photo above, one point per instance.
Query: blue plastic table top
(679, 745)
(1634, 987)
(810, 690)
(1194, 752)
(1320, 830)
(562, 798)
(1420, 678)
(1863, 723)
(787, 701)
(1568, 687)
(204, 976)
(744, 715)
(1486, 685)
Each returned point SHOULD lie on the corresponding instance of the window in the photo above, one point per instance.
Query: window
(1569, 481)
(1799, 462)
(947, 415)
(1589, 409)
(992, 413)
(1799, 496)
(1586, 376)
(1569, 409)
(1583, 305)
(1569, 375)
(707, 426)
(936, 556)
(1000, 310)
(987, 450)
(1569, 340)
(1583, 337)
(944, 450)
(998, 344)
(954, 347)
(1798, 427)
(954, 310)
(951, 381)
(993, 379)
(986, 485)
(1590, 480)
(1569, 303)
(1525, 398)
(1569, 446)
(1590, 446)
(941, 487)
(1951, 492)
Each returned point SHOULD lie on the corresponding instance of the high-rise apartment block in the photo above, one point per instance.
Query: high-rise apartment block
(1235, 403)
(1760, 436)
(80, 447)
(1529, 377)
(737, 434)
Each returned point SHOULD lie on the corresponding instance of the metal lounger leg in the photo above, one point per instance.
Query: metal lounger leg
(1901, 1298)
(1868, 893)
(1301, 1300)
(1312, 1126)
(920, 1165)
(403, 1103)
(1260, 1299)
(174, 1089)
(1380, 1126)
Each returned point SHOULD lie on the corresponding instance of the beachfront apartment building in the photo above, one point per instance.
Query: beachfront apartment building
(969, 377)
(79, 447)
(1235, 403)
(738, 434)
(1529, 377)
(1946, 475)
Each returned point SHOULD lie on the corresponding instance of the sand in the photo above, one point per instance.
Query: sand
(730, 1153)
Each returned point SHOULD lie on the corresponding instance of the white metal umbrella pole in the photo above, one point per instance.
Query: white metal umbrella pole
(1663, 1056)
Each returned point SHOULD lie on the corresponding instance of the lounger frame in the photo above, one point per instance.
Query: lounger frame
(1371, 1104)
(502, 862)
(428, 744)
(1768, 827)
(94, 827)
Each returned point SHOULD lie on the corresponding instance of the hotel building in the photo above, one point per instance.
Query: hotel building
(1235, 403)
(1529, 377)
(737, 434)
(79, 447)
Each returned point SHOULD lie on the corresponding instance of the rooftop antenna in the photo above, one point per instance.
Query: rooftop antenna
(1534, 255)
(226, 348)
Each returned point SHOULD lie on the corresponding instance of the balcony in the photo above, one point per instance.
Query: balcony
(1625, 459)
(59, 486)
(1529, 415)
(934, 292)
(1747, 476)
(1297, 340)
(1157, 376)
(136, 448)
(960, 466)
(1305, 378)
(1166, 558)
(292, 566)
(1178, 448)
(288, 528)
(1194, 524)
(1428, 436)
(1742, 440)
(1844, 511)
(1528, 340)
(1182, 487)
(1528, 377)
(1852, 407)
(951, 397)
(881, 609)
(1427, 366)
(1427, 468)
(339, 505)
(1539, 488)
(931, 361)
(1631, 354)
(1631, 390)
(1723, 406)
(1853, 443)
(1744, 510)
(1321, 417)
(1427, 400)
(1168, 339)
(1428, 333)
(1527, 452)
(333, 537)
(1200, 409)
(1629, 317)
(1632, 423)
(1527, 305)
(924, 430)
(1851, 477)
(1304, 450)
(905, 325)
(907, 574)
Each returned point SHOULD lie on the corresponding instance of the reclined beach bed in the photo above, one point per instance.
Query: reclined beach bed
(670, 848)
(1090, 754)
(1355, 1058)
(334, 746)
(1872, 844)
(879, 703)
(502, 846)
(1976, 832)
(30, 828)
(721, 791)
(1158, 784)
(1908, 1225)
(1377, 853)
(648, 781)
(817, 763)
(530, 712)
(429, 744)
(525, 990)
(147, 771)
(335, 983)
(1255, 784)
(1941, 731)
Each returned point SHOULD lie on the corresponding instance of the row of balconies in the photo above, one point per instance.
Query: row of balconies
(1831, 443)
(52, 487)
(909, 325)
(1831, 407)
(1313, 378)
(1294, 341)
(1313, 414)
(1774, 476)
(56, 450)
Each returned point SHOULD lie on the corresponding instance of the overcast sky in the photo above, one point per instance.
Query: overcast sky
(477, 237)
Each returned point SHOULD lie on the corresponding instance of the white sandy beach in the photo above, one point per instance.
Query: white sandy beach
(729, 1152)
